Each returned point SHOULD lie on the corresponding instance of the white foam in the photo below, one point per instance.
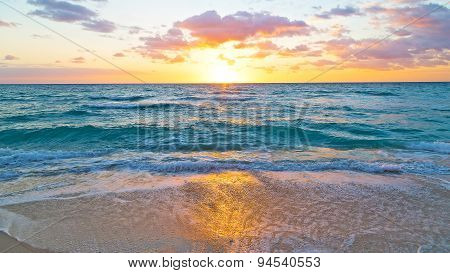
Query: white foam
(14, 224)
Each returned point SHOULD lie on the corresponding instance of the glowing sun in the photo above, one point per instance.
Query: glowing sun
(224, 74)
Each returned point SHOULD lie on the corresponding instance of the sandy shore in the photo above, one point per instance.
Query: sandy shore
(10, 245)
(237, 211)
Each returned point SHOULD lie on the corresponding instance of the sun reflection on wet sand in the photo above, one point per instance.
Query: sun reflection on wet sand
(226, 207)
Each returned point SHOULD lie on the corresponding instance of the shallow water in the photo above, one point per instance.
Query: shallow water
(235, 168)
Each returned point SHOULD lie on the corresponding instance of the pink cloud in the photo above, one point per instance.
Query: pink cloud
(173, 39)
(338, 31)
(263, 45)
(119, 55)
(296, 51)
(420, 39)
(211, 28)
(158, 46)
(6, 24)
(390, 54)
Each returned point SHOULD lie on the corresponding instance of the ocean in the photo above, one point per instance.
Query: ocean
(348, 167)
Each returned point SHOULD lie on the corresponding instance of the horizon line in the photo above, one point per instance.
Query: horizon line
(224, 83)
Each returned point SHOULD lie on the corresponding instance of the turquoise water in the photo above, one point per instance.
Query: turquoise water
(49, 128)
(60, 142)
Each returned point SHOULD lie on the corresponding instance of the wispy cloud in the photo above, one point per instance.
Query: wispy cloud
(6, 24)
(10, 58)
(338, 11)
(78, 60)
(62, 11)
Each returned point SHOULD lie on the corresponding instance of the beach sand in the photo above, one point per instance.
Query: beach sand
(238, 211)
(11, 245)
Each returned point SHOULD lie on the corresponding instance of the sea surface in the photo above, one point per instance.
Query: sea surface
(226, 167)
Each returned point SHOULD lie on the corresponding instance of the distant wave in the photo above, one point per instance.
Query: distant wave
(118, 98)
(216, 98)
(114, 105)
(438, 147)
(143, 105)
(37, 116)
(376, 93)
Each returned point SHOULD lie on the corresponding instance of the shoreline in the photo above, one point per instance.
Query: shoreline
(9, 244)
(236, 211)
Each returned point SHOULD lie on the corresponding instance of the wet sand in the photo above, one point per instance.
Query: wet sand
(241, 212)
(11, 245)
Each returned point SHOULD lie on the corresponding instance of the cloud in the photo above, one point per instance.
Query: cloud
(267, 69)
(430, 32)
(6, 24)
(119, 55)
(263, 45)
(323, 62)
(78, 60)
(265, 48)
(268, 48)
(61, 75)
(209, 29)
(338, 11)
(228, 60)
(10, 58)
(176, 59)
(296, 51)
(158, 46)
(212, 29)
(134, 30)
(62, 11)
(103, 26)
(424, 42)
(39, 36)
(409, 1)
(338, 30)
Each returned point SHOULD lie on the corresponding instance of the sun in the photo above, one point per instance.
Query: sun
(224, 74)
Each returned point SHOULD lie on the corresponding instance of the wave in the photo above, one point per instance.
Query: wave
(13, 157)
(10, 158)
(220, 99)
(205, 166)
(143, 105)
(38, 116)
(8, 175)
(204, 135)
(118, 98)
(377, 93)
(331, 165)
(438, 147)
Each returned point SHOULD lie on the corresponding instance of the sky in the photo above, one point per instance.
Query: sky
(205, 41)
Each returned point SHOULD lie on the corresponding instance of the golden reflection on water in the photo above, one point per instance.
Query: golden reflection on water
(225, 206)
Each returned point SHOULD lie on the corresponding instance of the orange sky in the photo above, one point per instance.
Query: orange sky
(241, 41)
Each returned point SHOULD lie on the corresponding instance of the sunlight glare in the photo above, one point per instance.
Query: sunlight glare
(224, 74)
